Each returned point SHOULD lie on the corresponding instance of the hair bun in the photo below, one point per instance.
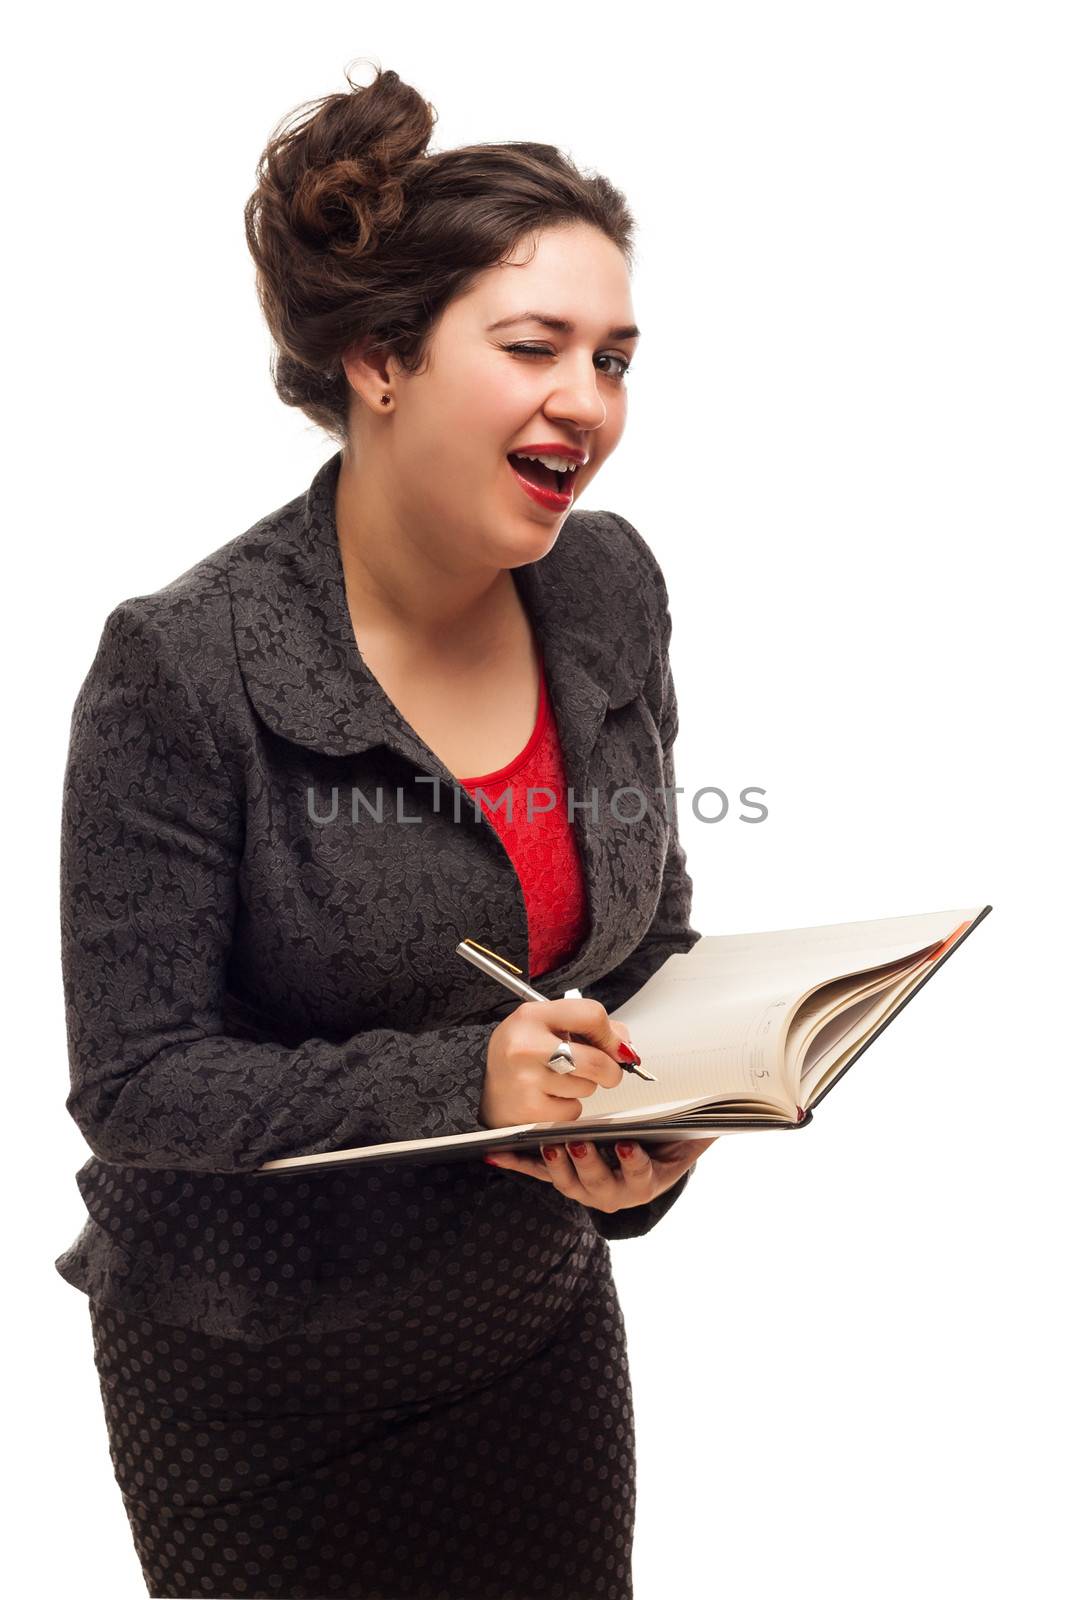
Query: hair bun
(342, 161)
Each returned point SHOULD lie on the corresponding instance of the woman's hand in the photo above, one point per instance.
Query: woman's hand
(579, 1170)
(520, 1086)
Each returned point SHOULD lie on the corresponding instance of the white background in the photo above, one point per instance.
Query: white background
(845, 444)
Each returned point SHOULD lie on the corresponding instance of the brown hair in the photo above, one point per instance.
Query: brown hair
(360, 236)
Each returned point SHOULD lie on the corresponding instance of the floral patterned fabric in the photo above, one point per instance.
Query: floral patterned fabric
(254, 966)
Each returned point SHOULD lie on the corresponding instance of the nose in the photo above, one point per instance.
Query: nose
(578, 401)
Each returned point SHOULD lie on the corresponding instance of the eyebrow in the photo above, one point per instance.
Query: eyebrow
(560, 325)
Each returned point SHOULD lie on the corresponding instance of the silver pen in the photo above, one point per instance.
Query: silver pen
(495, 966)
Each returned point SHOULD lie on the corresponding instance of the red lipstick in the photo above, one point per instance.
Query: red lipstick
(536, 480)
(551, 449)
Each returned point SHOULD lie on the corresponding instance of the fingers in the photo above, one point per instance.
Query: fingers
(518, 1074)
(592, 1069)
(586, 1018)
(534, 1035)
(579, 1169)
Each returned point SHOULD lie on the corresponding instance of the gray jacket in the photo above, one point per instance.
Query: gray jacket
(244, 979)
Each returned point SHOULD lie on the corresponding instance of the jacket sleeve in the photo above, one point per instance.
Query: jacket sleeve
(151, 844)
(670, 931)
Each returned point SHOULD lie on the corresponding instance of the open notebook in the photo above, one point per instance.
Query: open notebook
(744, 1032)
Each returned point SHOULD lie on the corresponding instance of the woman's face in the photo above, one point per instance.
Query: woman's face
(444, 444)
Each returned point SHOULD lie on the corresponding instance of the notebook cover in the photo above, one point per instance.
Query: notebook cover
(598, 1133)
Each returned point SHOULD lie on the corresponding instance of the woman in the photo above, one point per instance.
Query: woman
(402, 1380)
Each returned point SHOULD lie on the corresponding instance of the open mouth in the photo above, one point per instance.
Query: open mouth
(540, 476)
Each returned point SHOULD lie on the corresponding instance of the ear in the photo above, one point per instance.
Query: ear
(368, 373)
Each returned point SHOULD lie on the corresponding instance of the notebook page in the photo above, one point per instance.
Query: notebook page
(708, 1023)
(842, 1031)
(671, 1015)
(829, 1000)
(804, 956)
(829, 1064)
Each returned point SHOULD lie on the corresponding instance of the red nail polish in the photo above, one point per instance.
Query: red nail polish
(550, 1152)
(577, 1150)
(629, 1054)
(492, 1160)
(624, 1149)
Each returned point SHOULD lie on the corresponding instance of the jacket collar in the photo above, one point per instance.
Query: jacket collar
(308, 681)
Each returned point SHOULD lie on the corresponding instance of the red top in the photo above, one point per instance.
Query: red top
(542, 847)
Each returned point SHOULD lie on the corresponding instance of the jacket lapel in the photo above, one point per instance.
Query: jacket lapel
(309, 683)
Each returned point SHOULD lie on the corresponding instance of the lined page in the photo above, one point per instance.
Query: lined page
(803, 956)
(675, 1011)
(709, 1023)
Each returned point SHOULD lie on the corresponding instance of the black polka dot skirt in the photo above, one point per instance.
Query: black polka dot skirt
(474, 1447)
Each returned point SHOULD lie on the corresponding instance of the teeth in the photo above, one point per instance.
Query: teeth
(554, 463)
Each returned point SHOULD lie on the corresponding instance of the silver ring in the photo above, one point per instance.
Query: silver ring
(562, 1053)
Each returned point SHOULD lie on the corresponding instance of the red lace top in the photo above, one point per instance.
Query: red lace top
(542, 846)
